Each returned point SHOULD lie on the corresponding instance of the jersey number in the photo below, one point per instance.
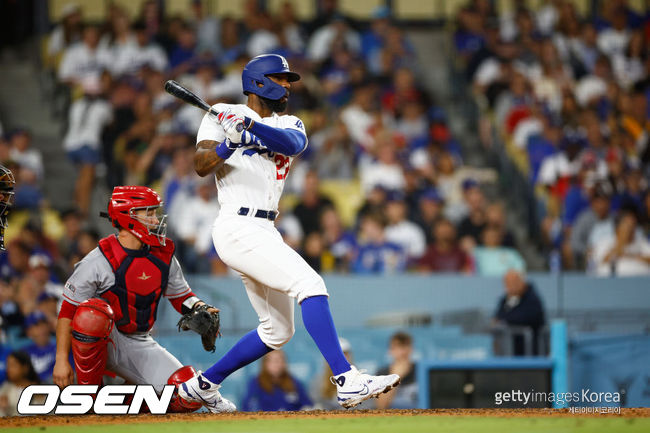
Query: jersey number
(281, 166)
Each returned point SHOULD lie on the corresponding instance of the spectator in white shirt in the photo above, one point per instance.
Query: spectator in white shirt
(322, 41)
(625, 252)
(614, 40)
(384, 169)
(138, 52)
(85, 59)
(207, 28)
(263, 39)
(118, 34)
(401, 231)
(88, 117)
(360, 116)
(23, 153)
(290, 34)
(562, 165)
(592, 87)
(197, 216)
(629, 67)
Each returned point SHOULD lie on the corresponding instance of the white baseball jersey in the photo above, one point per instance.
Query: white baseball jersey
(273, 273)
(252, 177)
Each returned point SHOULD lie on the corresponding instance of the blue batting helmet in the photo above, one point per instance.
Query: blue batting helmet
(256, 71)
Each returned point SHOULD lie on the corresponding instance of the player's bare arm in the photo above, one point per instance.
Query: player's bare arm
(206, 159)
(63, 374)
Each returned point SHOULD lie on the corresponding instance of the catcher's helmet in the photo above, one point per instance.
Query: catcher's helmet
(256, 71)
(7, 183)
(126, 201)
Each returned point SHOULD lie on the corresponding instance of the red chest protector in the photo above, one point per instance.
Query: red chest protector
(140, 280)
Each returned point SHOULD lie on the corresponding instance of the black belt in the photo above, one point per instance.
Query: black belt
(266, 214)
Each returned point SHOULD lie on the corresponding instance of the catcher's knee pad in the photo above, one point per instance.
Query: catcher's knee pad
(311, 284)
(177, 404)
(275, 336)
(91, 327)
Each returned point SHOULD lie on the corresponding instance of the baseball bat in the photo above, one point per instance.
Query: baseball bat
(186, 95)
(182, 93)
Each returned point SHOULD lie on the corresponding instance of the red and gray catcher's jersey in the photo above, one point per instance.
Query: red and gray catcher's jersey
(133, 289)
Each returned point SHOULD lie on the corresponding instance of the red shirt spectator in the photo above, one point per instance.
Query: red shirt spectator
(445, 255)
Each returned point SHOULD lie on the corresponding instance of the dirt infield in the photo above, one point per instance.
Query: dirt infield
(54, 420)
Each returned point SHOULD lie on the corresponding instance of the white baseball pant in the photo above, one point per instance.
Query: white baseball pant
(272, 272)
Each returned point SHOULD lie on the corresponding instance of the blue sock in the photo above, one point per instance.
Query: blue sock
(248, 349)
(317, 318)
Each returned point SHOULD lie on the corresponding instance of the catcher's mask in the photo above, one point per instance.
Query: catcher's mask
(138, 209)
(7, 183)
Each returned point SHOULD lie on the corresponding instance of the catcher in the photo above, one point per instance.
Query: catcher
(111, 300)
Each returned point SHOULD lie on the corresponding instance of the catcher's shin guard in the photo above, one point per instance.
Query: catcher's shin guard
(177, 404)
(91, 327)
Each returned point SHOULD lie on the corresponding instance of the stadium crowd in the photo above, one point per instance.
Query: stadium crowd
(382, 187)
(567, 95)
(372, 126)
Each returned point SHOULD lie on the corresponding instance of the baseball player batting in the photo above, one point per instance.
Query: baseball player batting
(112, 297)
(250, 148)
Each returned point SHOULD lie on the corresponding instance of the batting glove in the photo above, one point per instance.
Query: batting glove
(233, 126)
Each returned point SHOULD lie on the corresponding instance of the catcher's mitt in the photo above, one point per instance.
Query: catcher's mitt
(204, 323)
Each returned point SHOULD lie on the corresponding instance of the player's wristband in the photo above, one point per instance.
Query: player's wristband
(188, 304)
(223, 150)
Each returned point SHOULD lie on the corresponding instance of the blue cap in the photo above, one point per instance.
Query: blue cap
(17, 131)
(395, 195)
(437, 114)
(45, 296)
(205, 62)
(35, 318)
(432, 194)
(469, 183)
(573, 139)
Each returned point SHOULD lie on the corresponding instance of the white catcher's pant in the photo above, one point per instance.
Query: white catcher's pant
(272, 272)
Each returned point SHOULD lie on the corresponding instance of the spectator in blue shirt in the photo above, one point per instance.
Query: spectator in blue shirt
(42, 351)
(492, 259)
(274, 389)
(376, 254)
(183, 54)
(10, 314)
(5, 350)
(541, 146)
